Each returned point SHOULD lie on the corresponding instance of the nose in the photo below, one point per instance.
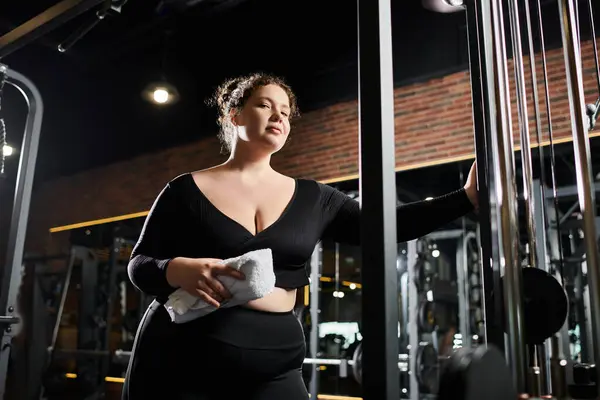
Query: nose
(276, 116)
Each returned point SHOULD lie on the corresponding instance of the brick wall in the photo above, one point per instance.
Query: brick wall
(433, 122)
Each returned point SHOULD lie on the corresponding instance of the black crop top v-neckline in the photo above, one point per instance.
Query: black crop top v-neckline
(184, 223)
(219, 212)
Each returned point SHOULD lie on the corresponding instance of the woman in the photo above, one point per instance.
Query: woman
(253, 351)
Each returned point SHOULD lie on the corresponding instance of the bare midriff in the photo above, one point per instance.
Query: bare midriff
(279, 300)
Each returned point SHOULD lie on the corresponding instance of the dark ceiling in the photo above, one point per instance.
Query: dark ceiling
(94, 111)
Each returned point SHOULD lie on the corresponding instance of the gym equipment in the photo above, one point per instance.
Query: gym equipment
(424, 272)
(427, 369)
(378, 198)
(426, 316)
(437, 316)
(513, 295)
(3, 141)
(102, 314)
(545, 305)
(585, 384)
(585, 181)
(11, 280)
(357, 364)
(476, 374)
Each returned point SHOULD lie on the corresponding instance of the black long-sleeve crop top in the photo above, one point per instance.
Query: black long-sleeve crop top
(184, 223)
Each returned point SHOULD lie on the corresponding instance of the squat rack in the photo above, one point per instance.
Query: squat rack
(18, 226)
(10, 42)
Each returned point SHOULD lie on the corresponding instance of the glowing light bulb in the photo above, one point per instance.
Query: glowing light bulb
(7, 150)
(161, 96)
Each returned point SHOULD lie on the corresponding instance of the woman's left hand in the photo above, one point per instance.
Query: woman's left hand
(471, 186)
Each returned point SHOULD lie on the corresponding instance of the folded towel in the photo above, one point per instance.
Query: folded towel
(256, 265)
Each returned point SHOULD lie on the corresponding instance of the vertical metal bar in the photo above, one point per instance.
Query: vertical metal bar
(583, 166)
(540, 223)
(462, 285)
(63, 300)
(18, 224)
(586, 333)
(505, 191)
(111, 292)
(539, 188)
(543, 262)
(378, 196)
(38, 340)
(315, 272)
(501, 184)
(74, 254)
(523, 114)
(337, 283)
(480, 46)
(87, 330)
(540, 26)
(413, 325)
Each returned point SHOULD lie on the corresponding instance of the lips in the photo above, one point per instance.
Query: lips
(274, 128)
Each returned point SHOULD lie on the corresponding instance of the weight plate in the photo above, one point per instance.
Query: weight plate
(357, 364)
(545, 305)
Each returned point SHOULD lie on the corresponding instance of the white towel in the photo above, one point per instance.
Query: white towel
(256, 265)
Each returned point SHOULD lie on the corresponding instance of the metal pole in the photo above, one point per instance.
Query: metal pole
(20, 214)
(315, 272)
(505, 191)
(413, 315)
(582, 163)
(540, 222)
(378, 197)
(462, 275)
(501, 186)
(519, 67)
(544, 263)
(480, 43)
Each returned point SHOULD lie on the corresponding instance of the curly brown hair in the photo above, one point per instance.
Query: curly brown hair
(233, 93)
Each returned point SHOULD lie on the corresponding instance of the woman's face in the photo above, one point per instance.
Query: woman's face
(264, 120)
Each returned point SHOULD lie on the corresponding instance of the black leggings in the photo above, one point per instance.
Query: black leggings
(234, 353)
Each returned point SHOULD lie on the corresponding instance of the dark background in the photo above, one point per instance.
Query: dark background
(94, 111)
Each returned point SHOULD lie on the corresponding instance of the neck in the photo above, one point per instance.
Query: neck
(249, 164)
